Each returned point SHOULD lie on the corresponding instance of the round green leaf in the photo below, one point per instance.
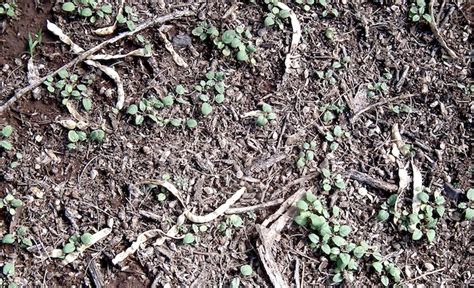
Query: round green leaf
(7, 131)
(431, 235)
(132, 109)
(168, 100)
(338, 241)
(8, 269)
(417, 234)
(180, 90)
(302, 205)
(191, 123)
(228, 36)
(8, 239)
(189, 238)
(261, 121)
(87, 103)
(344, 230)
(68, 7)
(246, 270)
(6, 145)
(242, 56)
(86, 238)
(72, 136)
(470, 195)
(97, 135)
(219, 98)
(86, 12)
(423, 197)
(106, 8)
(206, 109)
(69, 248)
(383, 215)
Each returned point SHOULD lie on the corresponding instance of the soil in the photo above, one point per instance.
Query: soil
(70, 192)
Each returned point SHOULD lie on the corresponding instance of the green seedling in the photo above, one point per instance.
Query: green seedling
(149, 108)
(335, 136)
(468, 207)
(418, 12)
(87, 8)
(246, 270)
(330, 111)
(328, 236)
(74, 138)
(385, 269)
(76, 241)
(417, 223)
(328, 9)
(69, 87)
(238, 40)
(330, 33)
(397, 109)
(232, 221)
(129, 18)
(20, 237)
(306, 155)
(327, 77)
(266, 115)
(380, 86)
(141, 40)
(10, 203)
(8, 9)
(33, 42)
(5, 134)
(277, 16)
(189, 238)
(331, 182)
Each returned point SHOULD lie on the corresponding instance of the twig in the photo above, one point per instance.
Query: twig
(354, 118)
(375, 183)
(157, 20)
(240, 210)
(95, 274)
(218, 212)
(426, 274)
(434, 29)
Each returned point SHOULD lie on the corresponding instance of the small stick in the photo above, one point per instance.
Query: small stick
(378, 104)
(95, 274)
(218, 212)
(375, 183)
(426, 274)
(434, 29)
(157, 20)
(240, 210)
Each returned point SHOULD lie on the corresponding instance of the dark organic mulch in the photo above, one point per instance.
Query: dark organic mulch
(67, 192)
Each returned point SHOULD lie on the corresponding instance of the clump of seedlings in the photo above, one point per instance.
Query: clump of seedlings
(87, 8)
(8, 271)
(306, 155)
(128, 18)
(276, 16)
(211, 90)
(423, 218)
(8, 9)
(330, 181)
(20, 237)
(418, 12)
(232, 221)
(238, 40)
(381, 86)
(5, 135)
(76, 241)
(330, 111)
(75, 137)
(335, 136)
(397, 109)
(148, 109)
(266, 115)
(328, 236)
(10, 203)
(68, 86)
(328, 9)
(468, 207)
